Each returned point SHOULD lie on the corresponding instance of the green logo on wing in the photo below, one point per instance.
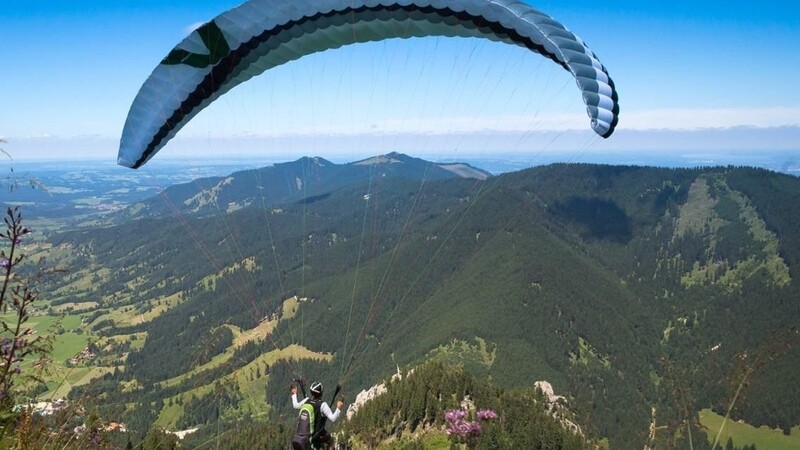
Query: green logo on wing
(215, 42)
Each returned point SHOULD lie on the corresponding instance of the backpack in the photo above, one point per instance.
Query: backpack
(308, 425)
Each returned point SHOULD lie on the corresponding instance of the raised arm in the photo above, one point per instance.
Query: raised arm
(331, 415)
(295, 403)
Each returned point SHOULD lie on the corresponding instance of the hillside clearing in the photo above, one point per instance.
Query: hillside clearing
(744, 434)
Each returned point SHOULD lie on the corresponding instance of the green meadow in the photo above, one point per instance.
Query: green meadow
(742, 434)
(67, 343)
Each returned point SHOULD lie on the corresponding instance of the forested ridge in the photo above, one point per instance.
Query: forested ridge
(642, 294)
(414, 406)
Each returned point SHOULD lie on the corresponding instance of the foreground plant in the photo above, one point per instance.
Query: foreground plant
(17, 341)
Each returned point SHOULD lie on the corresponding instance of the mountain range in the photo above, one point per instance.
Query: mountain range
(306, 179)
(642, 294)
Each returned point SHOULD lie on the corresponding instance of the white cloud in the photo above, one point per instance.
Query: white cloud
(43, 138)
(423, 126)
(655, 119)
(643, 120)
(710, 118)
(736, 145)
(32, 137)
(717, 130)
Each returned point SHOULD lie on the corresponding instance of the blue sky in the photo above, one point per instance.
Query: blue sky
(706, 77)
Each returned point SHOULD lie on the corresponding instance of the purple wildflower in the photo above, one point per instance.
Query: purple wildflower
(475, 428)
(457, 426)
(4, 262)
(486, 414)
(455, 415)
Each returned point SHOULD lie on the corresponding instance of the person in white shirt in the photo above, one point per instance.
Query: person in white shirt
(311, 431)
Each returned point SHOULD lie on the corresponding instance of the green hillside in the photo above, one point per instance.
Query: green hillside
(643, 295)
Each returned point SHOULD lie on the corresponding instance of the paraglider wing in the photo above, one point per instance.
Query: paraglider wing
(261, 34)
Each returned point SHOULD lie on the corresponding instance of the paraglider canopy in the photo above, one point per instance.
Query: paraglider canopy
(261, 34)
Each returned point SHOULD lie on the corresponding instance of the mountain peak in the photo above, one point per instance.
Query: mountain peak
(453, 169)
(388, 158)
(311, 160)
